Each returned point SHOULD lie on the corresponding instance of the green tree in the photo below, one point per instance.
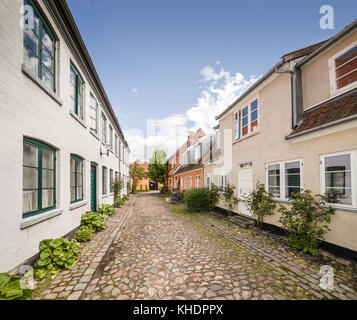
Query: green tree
(157, 168)
(136, 172)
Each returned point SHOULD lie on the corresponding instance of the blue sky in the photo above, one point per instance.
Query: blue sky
(180, 63)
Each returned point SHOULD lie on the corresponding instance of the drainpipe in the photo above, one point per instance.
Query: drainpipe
(296, 95)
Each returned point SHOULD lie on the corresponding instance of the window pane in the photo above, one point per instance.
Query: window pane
(29, 201)
(292, 177)
(47, 78)
(30, 178)
(79, 193)
(340, 196)
(47, 199)
(73, 179)
(73, 78)
(274, 169)
(47, 179)
(47, 159)
(73, 193)
(254, 105)
(30, 60)
(245, 111)
(338, 179)
(274, 181)
(254, 116)
(47, 41)
(30, 156)
(290, 190)
(338, 163)
(79, 179)
(47, 59)
(31, 41)
(275, 191)
(73, 165)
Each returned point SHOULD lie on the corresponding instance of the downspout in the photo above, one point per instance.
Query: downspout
(296, 95)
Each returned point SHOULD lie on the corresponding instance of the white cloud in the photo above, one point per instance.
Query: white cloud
(134, 90)
(221, 89)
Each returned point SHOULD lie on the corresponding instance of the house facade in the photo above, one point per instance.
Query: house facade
(296, 129)
(145, 184)
(185, 165)
(62, 145)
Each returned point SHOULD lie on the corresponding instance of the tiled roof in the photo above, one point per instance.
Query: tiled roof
(188, 168)
(329, 112)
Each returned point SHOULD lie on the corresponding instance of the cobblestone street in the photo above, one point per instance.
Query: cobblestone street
(149, 252)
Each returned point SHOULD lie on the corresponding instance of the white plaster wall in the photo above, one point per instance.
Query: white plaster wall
(27, 110)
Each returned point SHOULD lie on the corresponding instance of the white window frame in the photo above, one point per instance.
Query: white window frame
(238, 118)
(93, 99)
(181, 185)
(332, 70)
(208, 182)
(197, 180)
(185, 181)
(282, 177)
(353, 154)
(190, 182)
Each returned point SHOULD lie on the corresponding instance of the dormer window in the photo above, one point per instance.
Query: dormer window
(344, 69)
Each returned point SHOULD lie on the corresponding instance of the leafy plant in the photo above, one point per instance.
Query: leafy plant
(94, 221)
(11, 288)
(228, 198)
(118, 186)
(125, 197)
(84, 234)
(107, 210)
(201, 199)
(307, 221)
(56, 255)
(121, 202)
(158, 169)
(260, 203)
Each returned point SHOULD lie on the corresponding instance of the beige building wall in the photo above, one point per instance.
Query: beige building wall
(269, 145)
(316, 74)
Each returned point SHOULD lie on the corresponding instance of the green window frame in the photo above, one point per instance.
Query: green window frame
(39, 178)
(77, 169)
(104, 180)
(40, 48)
(111, 180)
(77, 92)
(104, 128)
(93, 114)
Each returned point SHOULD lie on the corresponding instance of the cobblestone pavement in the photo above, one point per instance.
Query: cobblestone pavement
(154, 251)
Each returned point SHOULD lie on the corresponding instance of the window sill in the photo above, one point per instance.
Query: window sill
(35, 79)
(78, 119)
(94, 135)
(78, 204)
(29, 222)
(105, 196)
(247, 136)
(345, 209)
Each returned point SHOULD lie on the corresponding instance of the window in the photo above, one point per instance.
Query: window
(245, 121)
(93, 114)
(120, 153)
(77, 93)
(39, 178)
(346, 68)
(111, 136)
(236, 125)
(197, 153)
(339, 178)
(104, 128)
(185, 183)
(105, 180)
(39, 48)
(208, 182)
(197, 181)
(284, 185)
(76, 178)
(116, 144)
(111, 180)
(181, 186)
(222, 182)
(254, 116)
(191, 182)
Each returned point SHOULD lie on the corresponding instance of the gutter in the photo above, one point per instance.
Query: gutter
(323, 126)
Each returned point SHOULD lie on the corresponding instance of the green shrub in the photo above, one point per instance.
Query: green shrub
(11, 288)
(307, 221)
(121, 202)
(260, 203)
(94, 221)
(56, 255)
(84, 234)
(201, 199)
(107, 210)
(228, 198)
(125, 197)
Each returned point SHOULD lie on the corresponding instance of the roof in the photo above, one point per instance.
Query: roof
(328, 113)
(309, 53)
(61, 9)
(188, 168)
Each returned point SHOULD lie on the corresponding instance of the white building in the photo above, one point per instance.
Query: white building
(61, 143)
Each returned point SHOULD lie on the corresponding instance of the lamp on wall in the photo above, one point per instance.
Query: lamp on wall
(107, 147)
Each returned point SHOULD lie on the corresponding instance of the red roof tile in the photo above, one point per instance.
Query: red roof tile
(328, 112)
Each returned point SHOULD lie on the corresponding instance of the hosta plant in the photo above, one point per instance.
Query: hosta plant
(11, 288)
(94, 221)
(84, 234)
(56, 254)
(107, 210)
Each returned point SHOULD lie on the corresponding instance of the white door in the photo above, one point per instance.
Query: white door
(245, 187)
